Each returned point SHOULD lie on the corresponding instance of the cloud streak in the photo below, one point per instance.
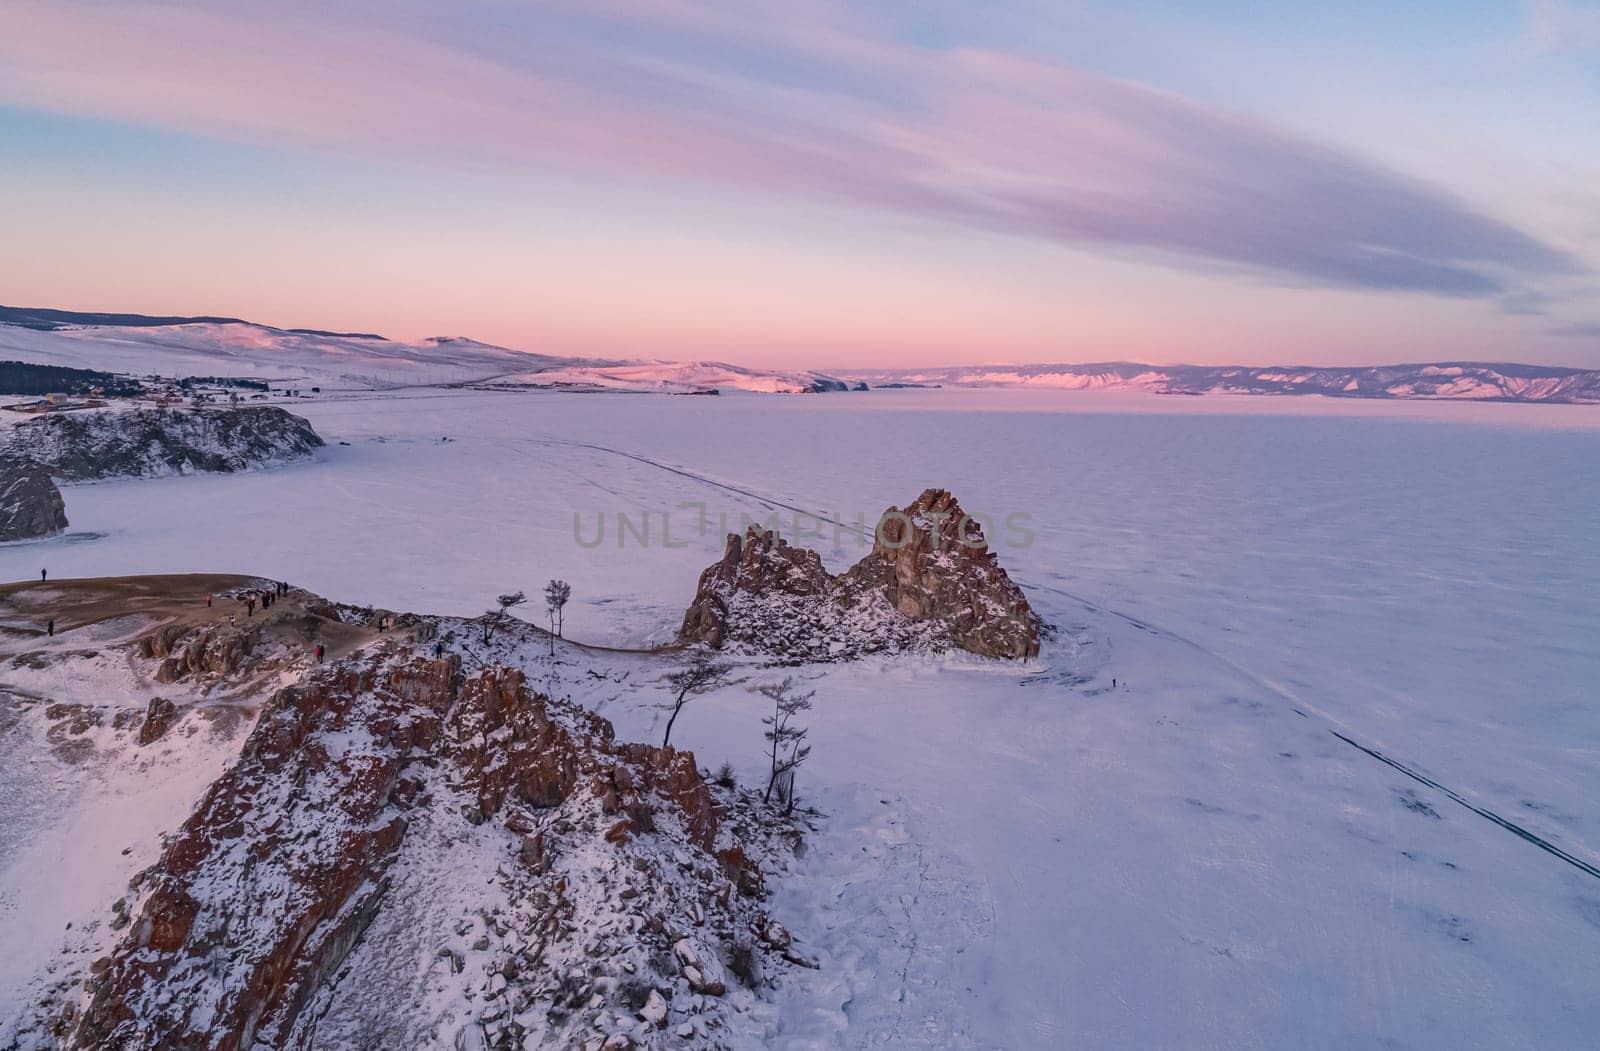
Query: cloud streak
(807, 102)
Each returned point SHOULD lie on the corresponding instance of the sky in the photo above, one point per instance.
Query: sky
(822, 184)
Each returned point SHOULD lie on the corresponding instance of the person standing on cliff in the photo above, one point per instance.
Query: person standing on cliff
(44, 574)
(50, 629)
(319, 653)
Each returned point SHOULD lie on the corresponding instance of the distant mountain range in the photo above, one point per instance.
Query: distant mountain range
(140, 344)
(46, 320)
(1453, 380)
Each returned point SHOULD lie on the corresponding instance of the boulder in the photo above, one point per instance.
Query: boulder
(700, 967)
(30, 504)
(208, 652)
(158, 719)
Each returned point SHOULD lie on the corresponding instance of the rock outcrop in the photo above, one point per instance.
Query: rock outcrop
(392, 829)
(158, 719)
(762, 565)
(81, 446)
(930, 581)
(198, 651)
(30, 504)
(933, 563)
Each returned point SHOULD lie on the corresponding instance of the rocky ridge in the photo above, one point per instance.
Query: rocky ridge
(395, 833)
(930, 582)
(84, 446)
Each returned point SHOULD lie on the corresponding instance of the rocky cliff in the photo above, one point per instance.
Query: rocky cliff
(30, 503)
(403, 855)
(930, 581)
(81, 446)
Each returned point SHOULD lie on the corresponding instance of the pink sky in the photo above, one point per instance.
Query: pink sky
(800, 184)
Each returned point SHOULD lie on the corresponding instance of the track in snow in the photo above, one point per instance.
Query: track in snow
(1299, 706)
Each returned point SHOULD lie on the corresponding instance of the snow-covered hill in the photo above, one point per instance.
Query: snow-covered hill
(175, 347)
(678, 377)
(150, 443)
(212, 346)
(1448, 380)
(236, 348)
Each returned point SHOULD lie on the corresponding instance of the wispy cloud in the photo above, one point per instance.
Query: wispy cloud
(803, 100)
(1564, 27)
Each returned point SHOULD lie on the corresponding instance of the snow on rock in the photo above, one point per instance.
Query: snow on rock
(931, 562)
(930, 582)
(159, 716)
(408, 854)
(159, 441)
(30, 504)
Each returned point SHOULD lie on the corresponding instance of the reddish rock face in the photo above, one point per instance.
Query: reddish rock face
(262, 892)
(932, 562)
(759, 563)
(158, 719)
(930, 580)
(278, 867)
(671, 775)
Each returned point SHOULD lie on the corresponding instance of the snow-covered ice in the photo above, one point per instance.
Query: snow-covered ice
(1018, 856)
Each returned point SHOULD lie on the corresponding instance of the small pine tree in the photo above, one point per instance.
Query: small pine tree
(556, 594)
(496, 617)
(702, 674)
(786, 747)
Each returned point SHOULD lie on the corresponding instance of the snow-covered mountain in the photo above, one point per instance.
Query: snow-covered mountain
(679, 376)
(216, 346)
(1446, 380)
(210, 346)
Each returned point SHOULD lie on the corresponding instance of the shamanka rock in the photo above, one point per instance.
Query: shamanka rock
(930, 581)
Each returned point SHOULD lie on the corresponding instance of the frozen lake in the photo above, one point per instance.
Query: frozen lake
(1190, 860)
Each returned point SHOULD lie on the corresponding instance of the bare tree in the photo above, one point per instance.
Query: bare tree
(556, 594)
(702, 674)
(496, 617)
(786, 745)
